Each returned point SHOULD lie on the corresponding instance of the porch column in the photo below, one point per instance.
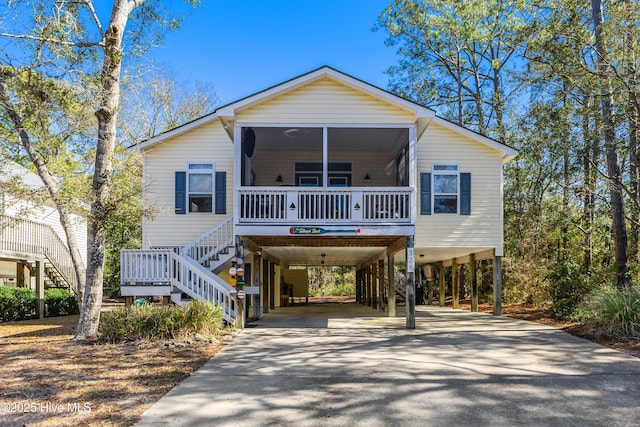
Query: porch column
(441, 284)
(411, 285)
(429, 284)
(22, 275)
(454, 284)
(257, 262)
(391, 286)
(474, 282)
(497, 285)
(357, 286)
(373, 272)
(240, 301)
(40, 289)
(381, 284)
(363, 284)
(272, 286)
(461, 280)
(367, 275)
(265, 286)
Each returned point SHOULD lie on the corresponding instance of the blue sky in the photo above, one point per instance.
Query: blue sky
(248, 45)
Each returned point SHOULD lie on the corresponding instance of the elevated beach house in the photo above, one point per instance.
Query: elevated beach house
(323, 169)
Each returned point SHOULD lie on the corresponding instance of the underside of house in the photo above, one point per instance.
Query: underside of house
(322, 170)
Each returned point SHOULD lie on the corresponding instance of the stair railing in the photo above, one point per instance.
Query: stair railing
(211, 242)
(27, 236)
(163, 267)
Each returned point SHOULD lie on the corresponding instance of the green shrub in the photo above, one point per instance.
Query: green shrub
(17, 304)
(60, 302)
(614, 312)
(568, 287)
(161, 321)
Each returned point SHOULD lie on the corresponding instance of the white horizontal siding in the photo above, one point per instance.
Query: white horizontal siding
(269, 164)
(325, 101)
(209, 143)
(484, 227)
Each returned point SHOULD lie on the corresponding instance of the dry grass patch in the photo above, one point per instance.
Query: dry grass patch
(546, 316)
(61, 382)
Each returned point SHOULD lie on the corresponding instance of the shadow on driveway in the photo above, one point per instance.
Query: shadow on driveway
(345, 364)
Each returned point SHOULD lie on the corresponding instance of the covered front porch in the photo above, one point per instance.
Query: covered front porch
(318, 175)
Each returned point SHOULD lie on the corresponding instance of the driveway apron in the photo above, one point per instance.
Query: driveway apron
(345, 364)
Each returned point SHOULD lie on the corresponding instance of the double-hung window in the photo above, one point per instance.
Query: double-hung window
(446, 188)
(200, 187)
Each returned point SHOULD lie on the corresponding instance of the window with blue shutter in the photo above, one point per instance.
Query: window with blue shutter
(200, 187)
(450, 190)
(445, 189)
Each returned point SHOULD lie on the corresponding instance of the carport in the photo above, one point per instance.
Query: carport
(374, 258)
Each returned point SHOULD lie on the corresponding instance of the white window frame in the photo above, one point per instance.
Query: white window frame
(201, 171)
(449, 172)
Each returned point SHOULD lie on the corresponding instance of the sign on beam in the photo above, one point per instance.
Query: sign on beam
(319, 230)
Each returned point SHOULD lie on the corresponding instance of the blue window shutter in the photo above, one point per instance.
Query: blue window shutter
(465, 194)
(221, 192)
(425, 193)
(181, 193)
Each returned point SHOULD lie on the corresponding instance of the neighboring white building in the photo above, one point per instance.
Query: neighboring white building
(30, 232)
(323, 169)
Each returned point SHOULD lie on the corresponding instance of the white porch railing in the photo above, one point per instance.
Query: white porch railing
(300, 205)
(211, 243)
(23, 235)
(147, 267)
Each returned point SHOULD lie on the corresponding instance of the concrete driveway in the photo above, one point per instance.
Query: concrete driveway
(344, 365)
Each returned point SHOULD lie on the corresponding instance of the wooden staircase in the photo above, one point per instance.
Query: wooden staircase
(187, 274)
(30, 237)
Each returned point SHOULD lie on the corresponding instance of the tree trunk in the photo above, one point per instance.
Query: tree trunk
(613, 168)
(634, 182)
(459, 88)
(107, 114)
(589, 157)
(48, 181)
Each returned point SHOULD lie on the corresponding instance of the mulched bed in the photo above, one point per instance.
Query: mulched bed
(50, 380)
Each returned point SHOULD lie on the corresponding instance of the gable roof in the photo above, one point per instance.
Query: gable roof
(11, 169)
(422, 113)
(321, 73)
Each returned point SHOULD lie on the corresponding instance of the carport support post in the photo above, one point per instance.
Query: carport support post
(455, 290)
(411, 285)
(391, 287)
(441, 284)
(40, 289)
(257, 262)
(265, 286)
(365, 290)
(357, 286)
(374, 285)
(474, 282)
(497, 285)
(240, 301)
(381, 283)
(430, 284)
(367, 275)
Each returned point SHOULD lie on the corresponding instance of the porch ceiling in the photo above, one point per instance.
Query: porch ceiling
(337, 250)
(310, 139)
